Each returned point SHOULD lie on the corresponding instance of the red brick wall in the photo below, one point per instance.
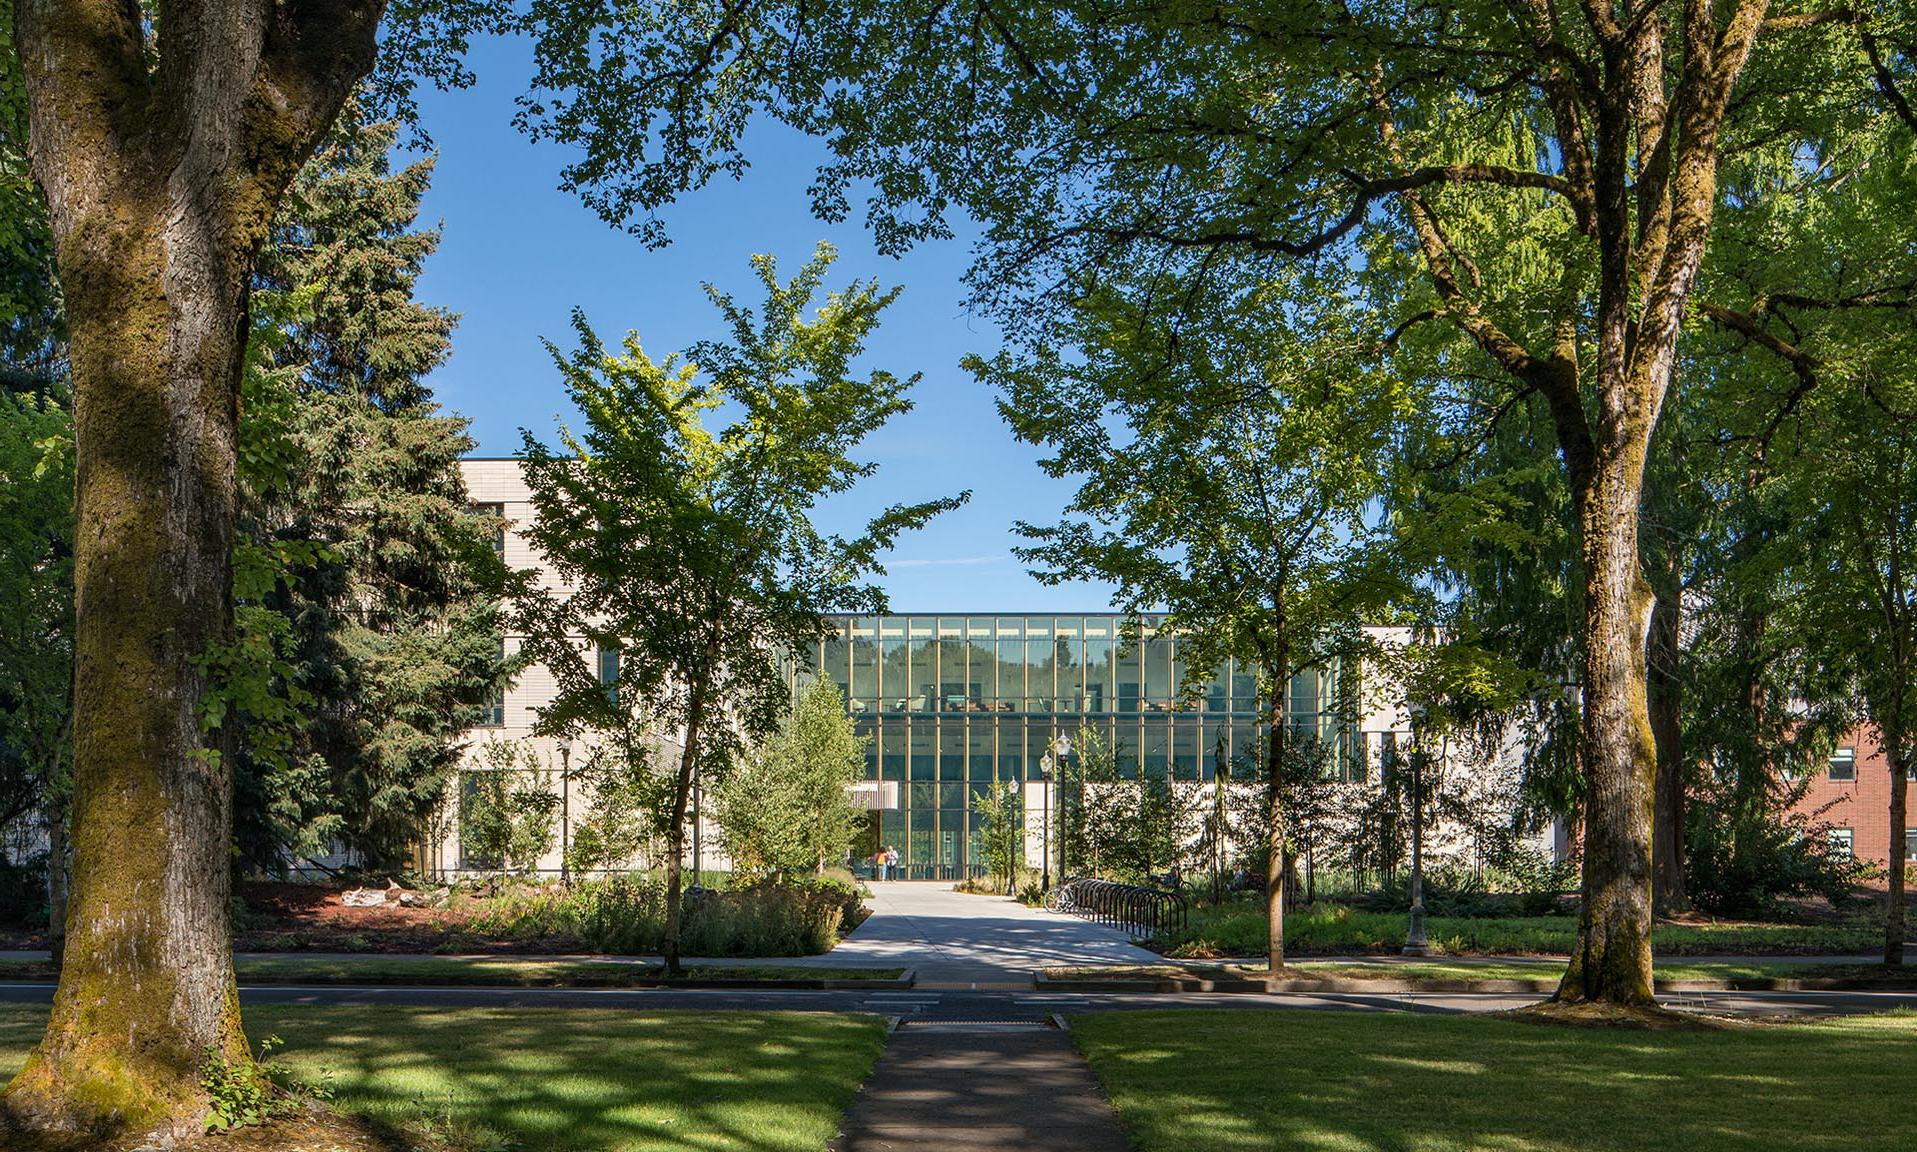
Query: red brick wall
(1862, 805)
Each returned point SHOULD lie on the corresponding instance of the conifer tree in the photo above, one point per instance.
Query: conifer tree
(391, 631)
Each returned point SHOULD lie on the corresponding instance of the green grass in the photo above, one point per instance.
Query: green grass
(480, 971)
(567, 1080)
(1238, 929)
(1393, 1082)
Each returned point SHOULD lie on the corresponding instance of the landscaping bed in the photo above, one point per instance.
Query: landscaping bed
(1495, 976)
(566, 1080)
(622, 916)
(1251, 1081)
(1238, 929)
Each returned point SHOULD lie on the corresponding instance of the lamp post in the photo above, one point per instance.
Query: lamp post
(1415, 941)
(1054, 758)
(565, 810)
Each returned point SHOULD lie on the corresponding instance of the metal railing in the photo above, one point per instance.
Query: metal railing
(1140, 910)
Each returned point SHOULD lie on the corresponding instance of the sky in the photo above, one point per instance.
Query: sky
(517, 255)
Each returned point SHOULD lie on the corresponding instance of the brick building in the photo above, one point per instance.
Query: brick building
(1852, 794)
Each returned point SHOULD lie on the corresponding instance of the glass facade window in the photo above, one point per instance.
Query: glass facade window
(1843, 764)
(963, 701)
(496, 529)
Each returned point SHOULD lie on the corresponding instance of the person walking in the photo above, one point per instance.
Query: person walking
(892, 861)
(878, 863)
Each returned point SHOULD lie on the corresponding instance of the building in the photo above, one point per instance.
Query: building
(951, 703)
(1851, 793)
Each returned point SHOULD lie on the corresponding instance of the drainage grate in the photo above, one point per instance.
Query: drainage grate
(958, 1023)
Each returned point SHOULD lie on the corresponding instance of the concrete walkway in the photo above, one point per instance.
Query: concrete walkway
(978, 1091)
(957, 940)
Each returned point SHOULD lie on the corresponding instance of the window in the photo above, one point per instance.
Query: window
(493, 713)
(1842, 842)
(497, 514)
(1843, 764)
(1910, 844)
(609, 672)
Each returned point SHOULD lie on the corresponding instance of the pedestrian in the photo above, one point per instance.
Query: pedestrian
(878, 863)
(892, 861)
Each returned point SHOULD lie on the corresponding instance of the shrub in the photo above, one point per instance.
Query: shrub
(23, 893)
(627, 914)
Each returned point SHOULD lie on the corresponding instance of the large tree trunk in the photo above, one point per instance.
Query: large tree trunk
(1665, 691)
(160, 184)
(1612, 960)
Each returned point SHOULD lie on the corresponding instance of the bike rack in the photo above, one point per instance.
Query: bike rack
(1143, 911)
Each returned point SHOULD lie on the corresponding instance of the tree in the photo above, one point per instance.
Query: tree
(1228, 459)
(161, 162)
(507, 808)
(690, 552)
(787, 806)
(391, 634)
(1001, 832)
(1541, 183)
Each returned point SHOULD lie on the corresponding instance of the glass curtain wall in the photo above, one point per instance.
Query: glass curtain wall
(955, 704)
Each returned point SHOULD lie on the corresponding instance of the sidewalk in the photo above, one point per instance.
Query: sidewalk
(951, 938)
(1016, 1091)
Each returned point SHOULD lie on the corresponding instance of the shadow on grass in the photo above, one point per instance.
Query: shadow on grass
(1346, 1082)
(569, 1080)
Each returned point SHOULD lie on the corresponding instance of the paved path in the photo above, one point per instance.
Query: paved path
(954, 939)
(1022, 1090)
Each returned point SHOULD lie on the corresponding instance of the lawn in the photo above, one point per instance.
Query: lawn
(1248, 1081)
(568, 1080)
(1238, 929)
(480, 971)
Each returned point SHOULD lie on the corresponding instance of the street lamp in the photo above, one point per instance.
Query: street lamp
(565, 810)
(1415, 942)
(1060, 747)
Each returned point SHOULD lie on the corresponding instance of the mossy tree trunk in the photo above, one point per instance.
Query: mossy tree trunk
(162, 163)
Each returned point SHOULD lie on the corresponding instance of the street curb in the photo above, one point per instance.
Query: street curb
(1359, 987)
(903, 982)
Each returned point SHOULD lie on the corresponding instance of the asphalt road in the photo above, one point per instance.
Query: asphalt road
(946, 1004)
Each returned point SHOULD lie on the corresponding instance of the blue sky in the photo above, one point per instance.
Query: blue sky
(518, 254)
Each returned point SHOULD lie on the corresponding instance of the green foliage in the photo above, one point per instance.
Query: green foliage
(690, 551)
(1001, 831)
(627, 915)
(372, 623)
(36, 600)
(507, 808)
(1237, 928)
(787, 807)
(248, 1092)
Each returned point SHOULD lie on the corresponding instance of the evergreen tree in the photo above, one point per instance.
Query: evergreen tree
(389, 627)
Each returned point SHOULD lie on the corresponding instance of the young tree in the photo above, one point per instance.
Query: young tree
(1001, 834)
(690, 552)
(507, 808)
(1542, 182)
(1227, 462)
(787, 806)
